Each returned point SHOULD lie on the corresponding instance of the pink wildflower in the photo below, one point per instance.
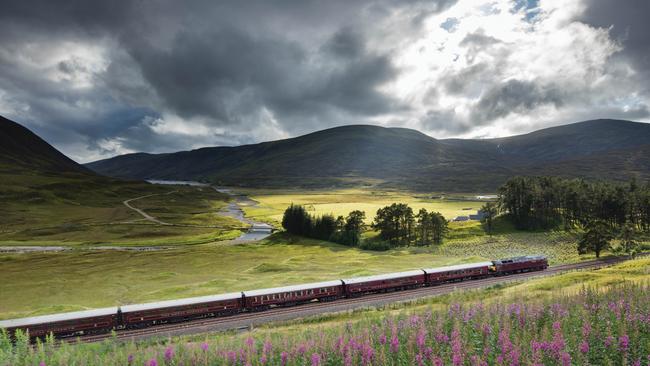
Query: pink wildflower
(315, 359)
(608, 341)
(624, 342)
(584, 347)
(169, 354)
(421, 338)
(566, 359)
(394, 344)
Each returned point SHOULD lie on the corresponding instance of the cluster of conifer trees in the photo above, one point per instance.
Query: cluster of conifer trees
(549, 202)
(400, 227)
(347, 231)
(397, 226)
(603, 211)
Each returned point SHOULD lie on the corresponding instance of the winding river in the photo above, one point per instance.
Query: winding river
(257, 231)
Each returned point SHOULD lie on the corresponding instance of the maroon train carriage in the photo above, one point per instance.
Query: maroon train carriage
(385, 282)
(66, 324)
(142, 315)
(520, 264)
(291, 295)
(458, 272)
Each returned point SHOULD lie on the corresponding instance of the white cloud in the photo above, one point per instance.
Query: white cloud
(490, 48)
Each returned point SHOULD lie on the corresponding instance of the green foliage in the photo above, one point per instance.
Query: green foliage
(595, 239)
(398, 226)
(376, 245)
(395, 224)
(547, 202)
(347, 231)
(490, 212)
(628, 243)
(297, 221)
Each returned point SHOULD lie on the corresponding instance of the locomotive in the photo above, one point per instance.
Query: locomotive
(150, 314)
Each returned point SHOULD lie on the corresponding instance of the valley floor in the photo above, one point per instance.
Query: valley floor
(201, 261)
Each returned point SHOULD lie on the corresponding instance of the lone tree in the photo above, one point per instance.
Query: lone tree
(596, 238)
(490, 211)
(628, 246)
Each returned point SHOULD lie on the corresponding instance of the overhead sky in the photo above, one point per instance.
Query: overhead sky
(100, 78)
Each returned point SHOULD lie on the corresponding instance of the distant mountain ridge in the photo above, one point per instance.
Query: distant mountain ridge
(364, 154)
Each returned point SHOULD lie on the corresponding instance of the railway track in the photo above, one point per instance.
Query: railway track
(248, 320)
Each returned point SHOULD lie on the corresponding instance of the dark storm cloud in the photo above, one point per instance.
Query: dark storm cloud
(515, 96)
(629, 25)
(211, 74)
(305, 63)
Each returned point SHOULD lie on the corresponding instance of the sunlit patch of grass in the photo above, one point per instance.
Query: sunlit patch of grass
(340, 202)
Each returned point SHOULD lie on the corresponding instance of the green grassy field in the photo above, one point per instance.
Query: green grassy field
(78, 210)
(198, 262)
(340, 202)
(74, 280)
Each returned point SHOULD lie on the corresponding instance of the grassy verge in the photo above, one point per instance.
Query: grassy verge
(591, 317)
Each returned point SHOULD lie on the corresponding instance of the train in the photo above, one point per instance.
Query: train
(135, 316)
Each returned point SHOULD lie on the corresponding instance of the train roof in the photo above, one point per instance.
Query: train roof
(51, 318)
(520, 259)
(305, 286)
(180, 302)
(387, 276)
(458, 267)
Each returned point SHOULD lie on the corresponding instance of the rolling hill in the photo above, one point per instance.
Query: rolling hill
(21, 149)
(362, 154)
(43, 192)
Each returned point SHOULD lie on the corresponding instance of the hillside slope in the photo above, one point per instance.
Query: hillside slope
(20, 148)
(403, 157)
